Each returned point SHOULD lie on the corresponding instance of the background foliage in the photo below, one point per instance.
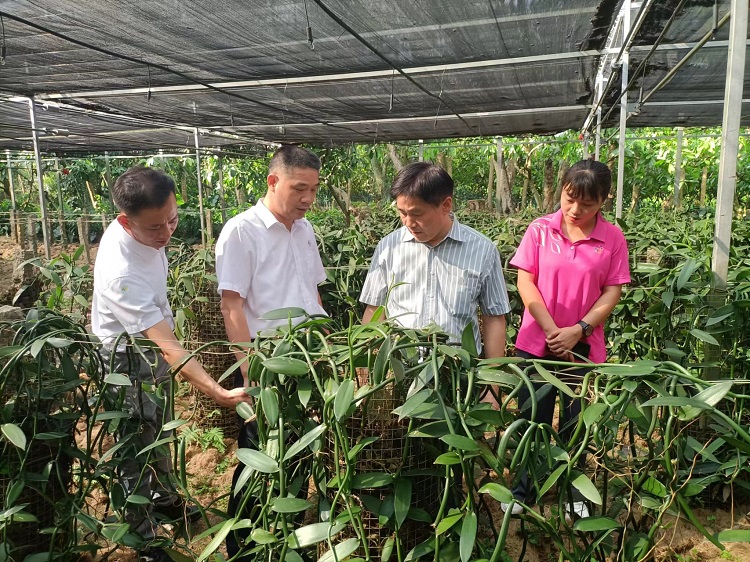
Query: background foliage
(530, 168)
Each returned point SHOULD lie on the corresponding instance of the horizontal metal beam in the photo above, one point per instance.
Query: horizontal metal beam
(690, 102)
(481, 114)
(151, 125)
(419, 30)
(417, 70)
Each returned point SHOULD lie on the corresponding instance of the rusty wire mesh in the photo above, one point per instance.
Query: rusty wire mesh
(50, 473)
(394, 450)
(207, 327)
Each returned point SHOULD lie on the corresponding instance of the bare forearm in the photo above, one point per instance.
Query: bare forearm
(191, 370)
(494, 336)
(368, 314)
(604, 305)
(238, 333)
(533, 301)
(197, 376)
(564, 339)
(236, 324)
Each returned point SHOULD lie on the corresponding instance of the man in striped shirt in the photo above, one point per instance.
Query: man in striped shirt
(435, 270)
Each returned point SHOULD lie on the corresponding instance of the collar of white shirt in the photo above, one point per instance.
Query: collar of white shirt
(268, 218)
(456, 233)
(133, 245)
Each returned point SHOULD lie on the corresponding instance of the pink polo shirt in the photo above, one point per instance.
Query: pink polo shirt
(570, 277)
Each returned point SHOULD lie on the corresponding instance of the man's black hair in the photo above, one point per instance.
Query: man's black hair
(142, 188)
(426, 181)
(291, 156)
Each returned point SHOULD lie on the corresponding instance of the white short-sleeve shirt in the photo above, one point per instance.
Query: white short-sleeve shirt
(130, 286)
(269, 266)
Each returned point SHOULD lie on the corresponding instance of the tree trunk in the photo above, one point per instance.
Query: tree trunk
(634, 199)
(511, 170)
(506, 175)
(183, 184)
(527, 183)
(395, 158)
(490, 181)
(561, 171)
(704, 183)
(681, 192)
(499, 207)
(340, 197)
(549, 186)
(239, 192)
(377, 174)
(525, 188)
(611, 162)
(6, 183)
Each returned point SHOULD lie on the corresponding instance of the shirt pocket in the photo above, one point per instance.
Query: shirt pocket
(463, 294)
(309, 256)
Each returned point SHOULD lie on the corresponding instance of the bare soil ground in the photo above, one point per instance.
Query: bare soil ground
(8, 252)
(678, 541)
(11, 255)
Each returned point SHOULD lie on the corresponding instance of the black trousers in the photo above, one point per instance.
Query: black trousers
(246, 439)
(147, 414)
(546, 398)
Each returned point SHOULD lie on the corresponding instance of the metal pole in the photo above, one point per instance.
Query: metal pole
(586, 153)
(58, 179)
(10, 182)
(108, 181)
(13, 228)
(498, 171)
(623, 110)
(598, 145)
(421, 150)
(40, 179)
(200, 188)
(730, 129)
(220, 165)
(678, 167)
(60, 203)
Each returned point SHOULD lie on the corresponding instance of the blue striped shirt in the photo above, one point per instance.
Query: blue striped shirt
(440, 285)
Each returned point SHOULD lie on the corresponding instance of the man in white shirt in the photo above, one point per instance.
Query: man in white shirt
(130, 299)
(267, 258)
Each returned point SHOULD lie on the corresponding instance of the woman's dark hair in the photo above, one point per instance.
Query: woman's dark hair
(428, 182)
(291, 156)
(588, 179)
(142, 188)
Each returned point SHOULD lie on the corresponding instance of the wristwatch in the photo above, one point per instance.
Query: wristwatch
(588, 329)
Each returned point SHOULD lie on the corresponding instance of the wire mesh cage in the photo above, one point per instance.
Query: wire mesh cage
(46, 476)
(207, 327)
(393, 451)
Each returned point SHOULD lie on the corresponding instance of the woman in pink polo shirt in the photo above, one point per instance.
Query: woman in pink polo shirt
(572, 265)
